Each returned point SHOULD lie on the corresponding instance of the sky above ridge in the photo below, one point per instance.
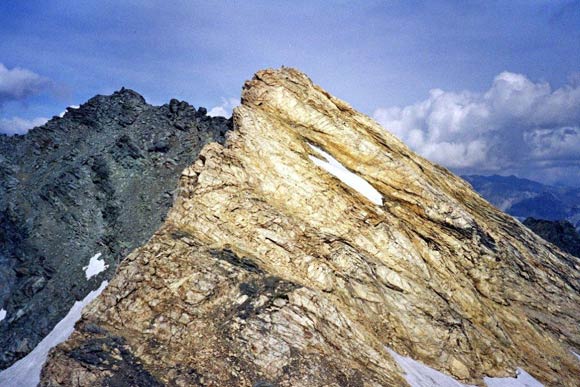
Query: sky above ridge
(478, 86)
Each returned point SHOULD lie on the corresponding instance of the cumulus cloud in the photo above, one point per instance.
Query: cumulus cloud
(18, 83)
(516, 126)
(18, 125)
(225, 109)
(65, 111)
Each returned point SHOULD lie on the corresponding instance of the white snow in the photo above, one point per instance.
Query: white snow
(2, 314)
(70, 107)
(95, 266)
(575, 354)
(26, 371)
(419, 375)
(523, 379)
(335, 168)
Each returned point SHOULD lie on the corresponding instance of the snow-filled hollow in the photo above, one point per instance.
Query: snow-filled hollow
(335, 168)
(26, 371)
(418, 374)
(95, 266)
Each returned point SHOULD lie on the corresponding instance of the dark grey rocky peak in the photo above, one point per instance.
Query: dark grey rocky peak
(98, 180)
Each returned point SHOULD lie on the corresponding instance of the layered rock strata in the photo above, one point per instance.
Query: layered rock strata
(271, 271)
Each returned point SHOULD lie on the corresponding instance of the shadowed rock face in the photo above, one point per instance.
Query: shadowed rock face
(271, 271)
(561, 233)
(98, 180)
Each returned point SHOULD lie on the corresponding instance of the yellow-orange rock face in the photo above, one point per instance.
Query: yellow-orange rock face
(271, 271)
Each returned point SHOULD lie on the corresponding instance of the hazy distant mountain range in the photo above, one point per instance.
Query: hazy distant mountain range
(525, 198)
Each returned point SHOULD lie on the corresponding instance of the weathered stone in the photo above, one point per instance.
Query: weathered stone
(435, 272)
(93, 181)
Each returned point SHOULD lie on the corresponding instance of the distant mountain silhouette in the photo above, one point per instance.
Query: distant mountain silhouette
(525, 198)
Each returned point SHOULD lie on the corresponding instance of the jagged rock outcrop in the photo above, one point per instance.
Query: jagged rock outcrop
(98, 180)
(561, 233)
(269, 271)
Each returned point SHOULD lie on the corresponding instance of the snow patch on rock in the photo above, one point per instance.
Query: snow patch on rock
(335, 168)
(522, 379)
(2, 314)
(26, 371)
(419, 375)
(95, 266)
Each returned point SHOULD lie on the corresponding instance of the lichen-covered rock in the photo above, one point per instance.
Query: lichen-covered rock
(98, 180)
(270, 271)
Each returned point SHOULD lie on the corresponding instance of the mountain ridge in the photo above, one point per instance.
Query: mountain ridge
(97, 180)
(271, 271)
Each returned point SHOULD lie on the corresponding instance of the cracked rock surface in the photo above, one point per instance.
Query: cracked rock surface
(98, 180)
(270, 271)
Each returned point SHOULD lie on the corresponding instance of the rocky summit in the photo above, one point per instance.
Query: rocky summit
(89, 186)
(309, 250)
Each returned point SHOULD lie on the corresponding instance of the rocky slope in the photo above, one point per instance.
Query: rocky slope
(561, 233)
(99, 180)
(271, 271)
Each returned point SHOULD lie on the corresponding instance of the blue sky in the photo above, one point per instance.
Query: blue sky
(377, 55)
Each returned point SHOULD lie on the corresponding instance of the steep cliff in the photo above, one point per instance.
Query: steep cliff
(77, 195)
(270, 270)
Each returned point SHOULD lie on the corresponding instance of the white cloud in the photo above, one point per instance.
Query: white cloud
(225, 109)
(17, 125)
(19, 83)
(218, 111)
(516, 125)
(70, 107)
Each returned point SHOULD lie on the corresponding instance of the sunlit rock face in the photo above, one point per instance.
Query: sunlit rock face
(271, 270)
